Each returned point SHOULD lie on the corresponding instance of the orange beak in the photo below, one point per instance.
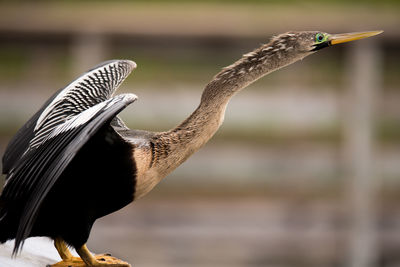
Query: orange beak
(348, 37)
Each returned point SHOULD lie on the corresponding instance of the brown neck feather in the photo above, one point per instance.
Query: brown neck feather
(176, 145)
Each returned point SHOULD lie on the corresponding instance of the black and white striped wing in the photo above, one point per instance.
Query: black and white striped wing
(91, 88)
(39, 168)
(20, 141)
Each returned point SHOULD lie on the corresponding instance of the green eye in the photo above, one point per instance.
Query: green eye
(320, 37)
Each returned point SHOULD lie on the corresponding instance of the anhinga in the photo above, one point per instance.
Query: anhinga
(75, 161)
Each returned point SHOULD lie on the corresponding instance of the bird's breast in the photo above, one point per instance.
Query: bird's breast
(147, 177)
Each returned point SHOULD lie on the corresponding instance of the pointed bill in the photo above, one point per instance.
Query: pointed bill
(347, 37)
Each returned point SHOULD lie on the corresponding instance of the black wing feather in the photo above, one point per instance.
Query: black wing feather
(40, 168)
(20, 141)
(91, 88)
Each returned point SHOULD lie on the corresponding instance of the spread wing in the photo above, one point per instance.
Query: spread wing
(41, 150)
(89, 89)
(40, 167)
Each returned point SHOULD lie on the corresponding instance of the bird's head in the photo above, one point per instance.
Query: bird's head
(311, 41)
(289, 47)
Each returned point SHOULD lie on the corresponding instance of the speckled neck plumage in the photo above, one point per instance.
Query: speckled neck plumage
(172, 148)
(279, 52)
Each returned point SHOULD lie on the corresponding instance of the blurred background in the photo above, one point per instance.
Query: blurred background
(305, 170)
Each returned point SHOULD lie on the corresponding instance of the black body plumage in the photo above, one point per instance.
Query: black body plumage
(68, 165)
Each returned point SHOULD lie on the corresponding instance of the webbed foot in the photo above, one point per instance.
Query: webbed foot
(102, 260)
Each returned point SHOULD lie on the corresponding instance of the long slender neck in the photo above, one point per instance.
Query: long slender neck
(176, 145)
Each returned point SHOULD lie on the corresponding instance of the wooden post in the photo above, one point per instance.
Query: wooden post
(364, 81)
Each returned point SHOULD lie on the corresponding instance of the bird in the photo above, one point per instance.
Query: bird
(75, 160)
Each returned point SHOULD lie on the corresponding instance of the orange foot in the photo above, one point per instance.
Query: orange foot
(102, 260)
